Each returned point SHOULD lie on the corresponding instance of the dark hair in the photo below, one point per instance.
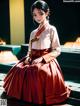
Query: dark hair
(42, 5)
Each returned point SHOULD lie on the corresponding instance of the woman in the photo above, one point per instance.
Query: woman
(37, 78)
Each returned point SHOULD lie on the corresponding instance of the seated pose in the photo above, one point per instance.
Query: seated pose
(37, 77)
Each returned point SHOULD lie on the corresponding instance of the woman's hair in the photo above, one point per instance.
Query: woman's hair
(42, 5)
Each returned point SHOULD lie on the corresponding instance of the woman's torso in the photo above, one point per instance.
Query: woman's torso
(44, 41)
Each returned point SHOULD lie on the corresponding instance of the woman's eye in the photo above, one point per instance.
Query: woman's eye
(41, 13)
(34, 15)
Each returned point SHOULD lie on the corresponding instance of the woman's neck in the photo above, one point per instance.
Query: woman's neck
(43, 23)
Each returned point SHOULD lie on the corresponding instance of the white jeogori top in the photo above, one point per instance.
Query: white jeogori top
(48, 39)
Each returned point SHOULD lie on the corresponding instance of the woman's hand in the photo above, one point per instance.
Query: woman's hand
(38, 60)
(27, 60)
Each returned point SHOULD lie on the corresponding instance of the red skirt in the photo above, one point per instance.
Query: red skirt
(38, 83)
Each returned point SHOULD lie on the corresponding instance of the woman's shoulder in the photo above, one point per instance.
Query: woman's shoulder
(33, 32)
(52, 27)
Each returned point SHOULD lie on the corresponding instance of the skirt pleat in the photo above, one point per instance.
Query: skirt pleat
(38, 83)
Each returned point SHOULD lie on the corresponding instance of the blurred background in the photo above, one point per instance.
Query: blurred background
(16, 22)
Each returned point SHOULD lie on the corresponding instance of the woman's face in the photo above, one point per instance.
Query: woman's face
(39, 15)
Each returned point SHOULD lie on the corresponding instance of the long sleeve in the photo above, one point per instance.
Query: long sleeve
(55, 43)
(55, 46)
(29, 47)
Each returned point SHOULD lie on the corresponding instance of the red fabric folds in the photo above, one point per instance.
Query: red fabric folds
(38, 83)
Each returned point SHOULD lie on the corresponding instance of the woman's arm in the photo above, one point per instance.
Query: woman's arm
(28, 56)
(55, 46)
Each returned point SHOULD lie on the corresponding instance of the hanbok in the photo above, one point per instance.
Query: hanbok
(40, 83)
